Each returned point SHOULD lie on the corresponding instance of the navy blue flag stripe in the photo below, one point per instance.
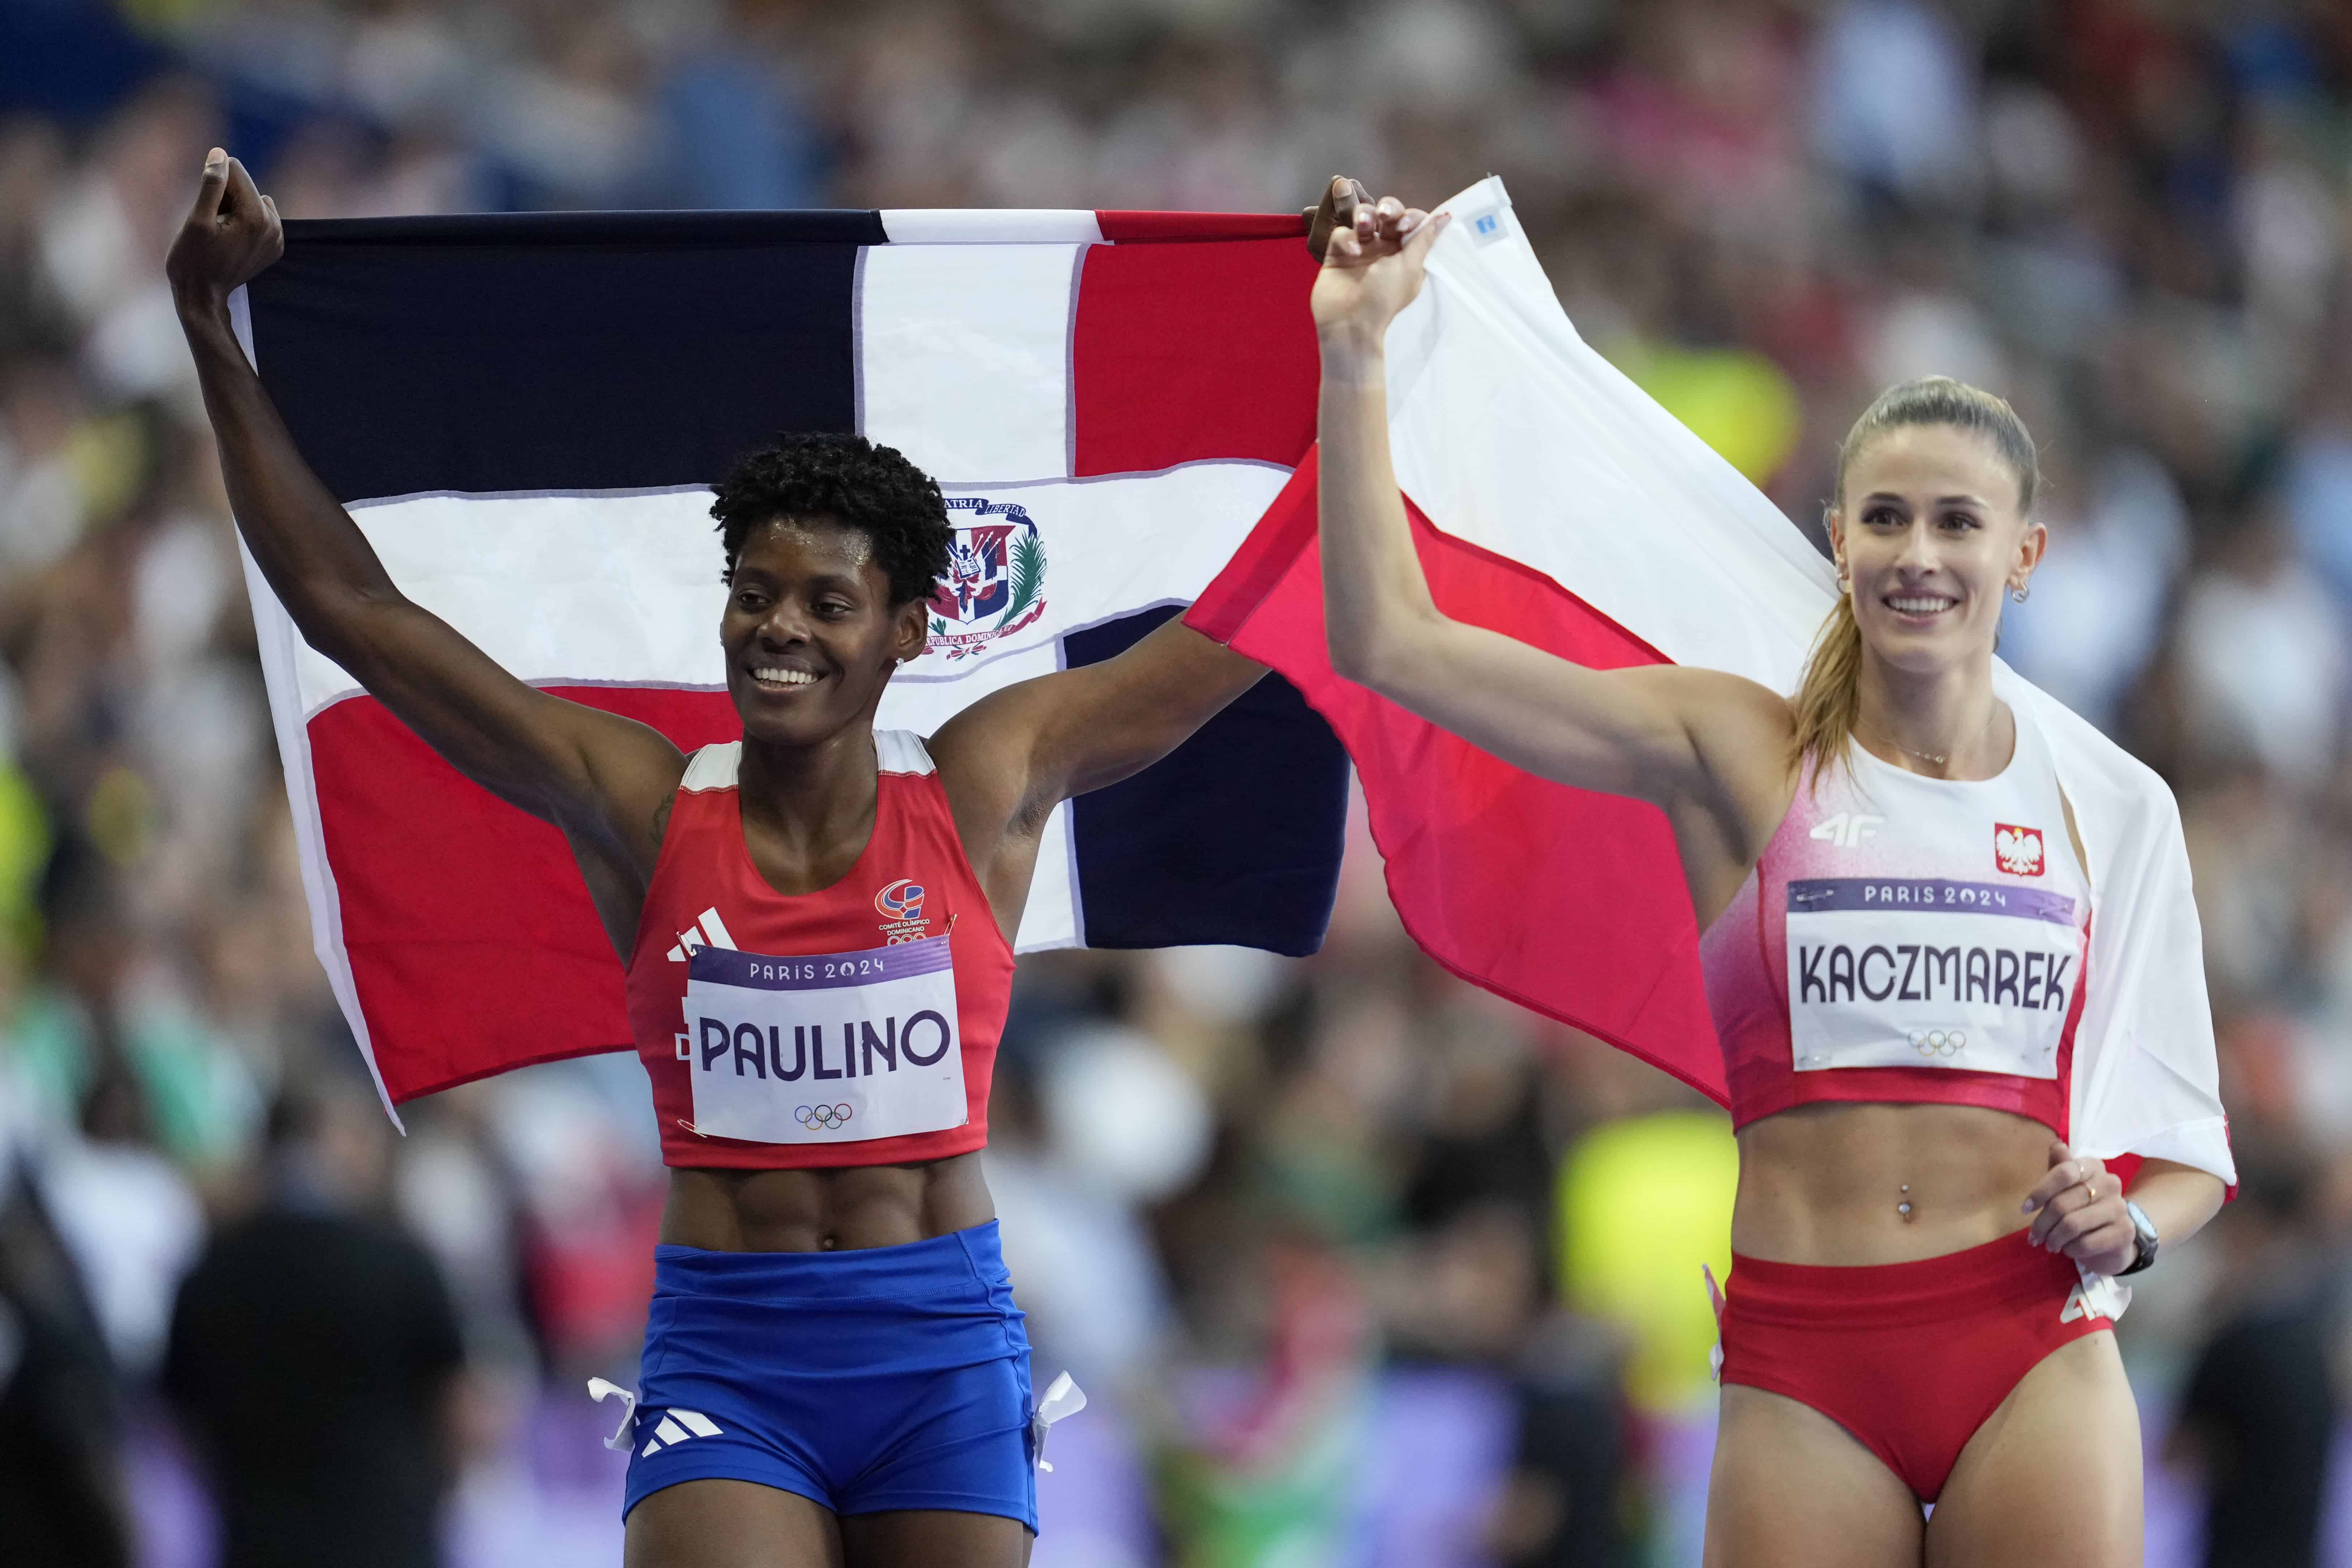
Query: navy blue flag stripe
(556, 351)
(1234, 836)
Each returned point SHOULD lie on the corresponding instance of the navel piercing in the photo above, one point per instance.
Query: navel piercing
(1904, 1208)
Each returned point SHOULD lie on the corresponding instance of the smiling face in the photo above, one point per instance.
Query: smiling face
(1931, 530)
(810, 632)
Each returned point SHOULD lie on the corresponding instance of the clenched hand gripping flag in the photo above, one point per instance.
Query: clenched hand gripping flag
(1552, 501)
(526, 413)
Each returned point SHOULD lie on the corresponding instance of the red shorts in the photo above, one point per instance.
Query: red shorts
(1910, 1357)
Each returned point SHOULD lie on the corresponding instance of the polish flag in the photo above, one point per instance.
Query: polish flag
(1552, 501)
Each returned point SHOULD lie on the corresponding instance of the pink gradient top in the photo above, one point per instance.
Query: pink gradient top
(1940, 929)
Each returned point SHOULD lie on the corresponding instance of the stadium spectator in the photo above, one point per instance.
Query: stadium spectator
(314, 1356)
(2263, 1402)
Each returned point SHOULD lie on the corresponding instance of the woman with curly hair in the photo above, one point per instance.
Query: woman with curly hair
(816, 924)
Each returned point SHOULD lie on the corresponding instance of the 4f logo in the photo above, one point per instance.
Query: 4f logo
(1847, 828)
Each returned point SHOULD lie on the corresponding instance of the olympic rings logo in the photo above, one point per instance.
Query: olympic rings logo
(1938, 1042)
(823, 1117)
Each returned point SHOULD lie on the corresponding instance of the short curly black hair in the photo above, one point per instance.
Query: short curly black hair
(849, 480)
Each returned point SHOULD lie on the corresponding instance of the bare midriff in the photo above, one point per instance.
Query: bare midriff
(839, 1209)
(1827, 1183)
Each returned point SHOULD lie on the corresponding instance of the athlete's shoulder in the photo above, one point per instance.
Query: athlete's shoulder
(714, 767)
(1691, 684)
(719, 765)
(2093, 769)
(902, 751)
(1728, 717)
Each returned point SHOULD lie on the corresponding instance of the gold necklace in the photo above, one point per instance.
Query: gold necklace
(1942, 758)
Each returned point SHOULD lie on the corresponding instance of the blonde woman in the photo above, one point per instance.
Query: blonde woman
(1917, 1311)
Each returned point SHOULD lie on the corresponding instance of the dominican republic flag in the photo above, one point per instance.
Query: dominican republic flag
(525, 413)
(1552, 501)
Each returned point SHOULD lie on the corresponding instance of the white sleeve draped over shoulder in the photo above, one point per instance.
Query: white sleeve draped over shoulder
(2146, 1080)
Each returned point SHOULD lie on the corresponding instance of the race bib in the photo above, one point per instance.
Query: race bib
(826, 1049)
(1921, 971)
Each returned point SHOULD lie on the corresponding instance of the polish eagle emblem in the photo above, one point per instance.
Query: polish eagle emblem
(2017, 850)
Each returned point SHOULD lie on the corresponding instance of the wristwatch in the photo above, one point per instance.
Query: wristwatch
(2145, 1229)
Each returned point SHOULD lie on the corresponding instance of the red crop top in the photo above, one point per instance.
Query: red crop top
(854, 1025)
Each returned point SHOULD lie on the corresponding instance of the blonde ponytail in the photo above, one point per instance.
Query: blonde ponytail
(1829, 700)
(1831, 697)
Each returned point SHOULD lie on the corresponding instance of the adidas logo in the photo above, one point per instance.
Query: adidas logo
(2075, 1307)
(678, 1427)
(708, 931)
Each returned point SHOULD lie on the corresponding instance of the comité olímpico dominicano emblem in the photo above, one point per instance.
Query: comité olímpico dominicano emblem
(995, 582)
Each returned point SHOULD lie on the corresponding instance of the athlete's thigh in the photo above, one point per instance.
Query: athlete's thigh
(934, 1538)
(2053, 1476)
(730, 1524)
(1792, 1489)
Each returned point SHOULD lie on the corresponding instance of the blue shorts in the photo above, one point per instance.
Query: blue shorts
(880, 1378)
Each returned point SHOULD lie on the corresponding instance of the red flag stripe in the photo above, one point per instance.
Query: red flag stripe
(1148, 394)
(1133, 227)
(1608, 943)
(472, 944)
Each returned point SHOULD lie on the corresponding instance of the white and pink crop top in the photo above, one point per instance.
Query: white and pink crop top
(1907, 939)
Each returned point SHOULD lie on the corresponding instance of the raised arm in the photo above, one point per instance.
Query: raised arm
(1666, 734)
(598, 776)
(1010, 758)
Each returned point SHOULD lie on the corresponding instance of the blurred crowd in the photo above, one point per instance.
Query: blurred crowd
(1361, 1266)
